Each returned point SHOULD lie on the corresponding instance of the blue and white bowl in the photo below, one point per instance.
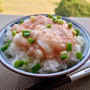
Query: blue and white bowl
(86, 51)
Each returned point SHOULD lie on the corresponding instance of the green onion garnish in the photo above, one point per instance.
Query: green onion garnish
(30, 40)
(32, 18)
(77, 32)
(9, 41)
(49, 26)
(21, 21)
(14, 32)
(35, 68)
(69, 24)
(19, 63)
(60, 22)
(63, 56)
(26, 62)
(58, 17)
(50, 16)
(69, 47)
(55, 20)
(26, 33)
(74, 32)
(79, 55)
(4, 47)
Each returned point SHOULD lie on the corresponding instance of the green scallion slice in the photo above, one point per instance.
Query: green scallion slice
(9, 42)
(77, 32)
(49, 26)
(60, 22)
(30, 40)
(55, 20)
(58, 17)
(35, 68)
(19, 63)
(50, 16)
(14, 32)
(21, 21)
(69, 25)
(26, 62)
(26, 33)
(63, 56)
(4, 47)
(79, 55)
(74, 32)
(32, 18)
(69, 47)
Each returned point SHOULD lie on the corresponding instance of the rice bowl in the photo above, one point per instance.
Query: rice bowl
(46, 55)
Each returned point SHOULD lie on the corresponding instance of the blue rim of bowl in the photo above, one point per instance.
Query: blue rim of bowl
(75, 67)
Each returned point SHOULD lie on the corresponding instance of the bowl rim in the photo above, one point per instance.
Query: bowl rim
(10, 67)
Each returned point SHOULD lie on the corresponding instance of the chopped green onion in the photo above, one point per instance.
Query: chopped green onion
(69, 47)
(63, 56)
(9, 41)
(58, 17)
(79, 55)
(30, 40)
(5, 47)
(50, 16)
(32, 18)
(49, 26)
(77, 32)
(14, 32)
(69, 24)
(19, 63)
(74, 32)
(21, 21)
(26, 62)
(35, 68)
(60, 22)
(26, 33)
(55, 20)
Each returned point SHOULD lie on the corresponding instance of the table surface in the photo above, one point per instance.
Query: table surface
(13, 81)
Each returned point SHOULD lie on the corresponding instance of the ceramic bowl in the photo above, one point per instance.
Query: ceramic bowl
(86, 51)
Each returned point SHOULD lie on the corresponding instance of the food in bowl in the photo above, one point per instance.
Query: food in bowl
(43, 44)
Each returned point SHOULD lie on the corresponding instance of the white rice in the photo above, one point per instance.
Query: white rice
(48, 65)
